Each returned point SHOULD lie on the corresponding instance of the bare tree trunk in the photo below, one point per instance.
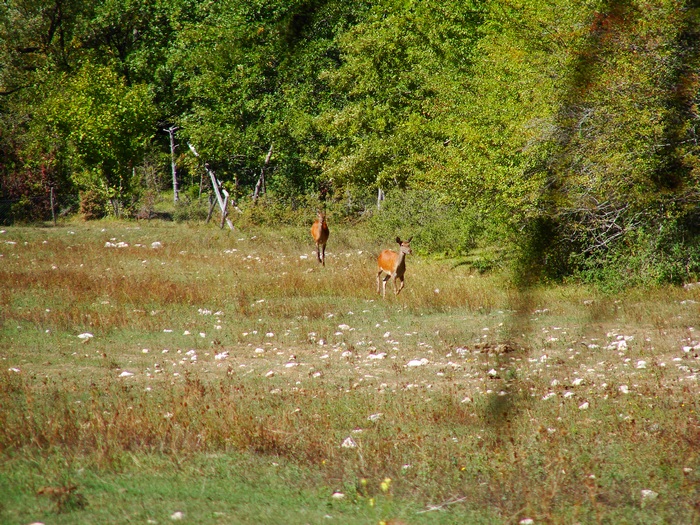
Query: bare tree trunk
(218, 190)
(171, 131)
(223, 202)
(380, 197)
(224, 213)
(260, 186)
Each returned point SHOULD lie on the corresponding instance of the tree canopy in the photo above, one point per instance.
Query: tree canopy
(564, 131)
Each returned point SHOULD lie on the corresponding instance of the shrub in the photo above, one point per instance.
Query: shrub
(436, 227)
(193, 210)
(92, 205)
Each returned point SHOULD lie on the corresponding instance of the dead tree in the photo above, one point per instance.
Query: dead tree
(218, 191)
(171, 131)
(260, 186)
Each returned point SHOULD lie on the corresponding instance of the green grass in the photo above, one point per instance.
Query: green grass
(226, 370)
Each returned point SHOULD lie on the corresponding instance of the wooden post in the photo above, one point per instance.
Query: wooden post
(212, 203)
(53, 208)
(380, 197)
(171, 131)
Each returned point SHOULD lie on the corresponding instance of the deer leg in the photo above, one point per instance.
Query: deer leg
(323, 256)
(397, 290)
(386, 278)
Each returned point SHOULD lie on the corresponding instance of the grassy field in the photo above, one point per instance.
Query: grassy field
(159, 372)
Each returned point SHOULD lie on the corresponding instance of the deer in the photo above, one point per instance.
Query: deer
(320, 232)
(394, 265)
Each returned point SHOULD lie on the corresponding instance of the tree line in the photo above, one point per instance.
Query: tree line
(565, 132)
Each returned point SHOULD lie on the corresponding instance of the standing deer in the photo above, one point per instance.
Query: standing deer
(320, 232)
(394, 265)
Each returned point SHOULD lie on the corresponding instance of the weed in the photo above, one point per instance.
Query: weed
(481, 402)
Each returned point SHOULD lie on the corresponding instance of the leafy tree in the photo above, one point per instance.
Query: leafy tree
(107, 125)
(403, 72)
(248, 74)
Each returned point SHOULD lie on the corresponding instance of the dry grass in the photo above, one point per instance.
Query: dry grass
(557, 404)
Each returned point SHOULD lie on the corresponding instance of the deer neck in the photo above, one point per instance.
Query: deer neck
(401, 263)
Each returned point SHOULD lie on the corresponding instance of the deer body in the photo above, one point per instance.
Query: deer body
(320, 232)
(393, 264)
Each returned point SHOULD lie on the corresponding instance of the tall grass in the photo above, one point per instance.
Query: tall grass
(474, 397)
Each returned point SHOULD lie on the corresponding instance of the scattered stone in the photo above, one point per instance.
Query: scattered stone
(349, 443)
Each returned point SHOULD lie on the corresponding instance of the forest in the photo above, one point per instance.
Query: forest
(562, 132)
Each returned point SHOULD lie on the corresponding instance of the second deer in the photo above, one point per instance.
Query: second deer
(394, 265)
(320, 232)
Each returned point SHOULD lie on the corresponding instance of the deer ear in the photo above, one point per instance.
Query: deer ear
(410, 238)
(398, 239)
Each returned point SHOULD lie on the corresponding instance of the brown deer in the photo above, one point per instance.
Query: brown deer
(394, 265)
(320, 232)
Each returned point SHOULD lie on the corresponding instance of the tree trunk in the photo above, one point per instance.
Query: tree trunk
(260, 186)
(171, 131)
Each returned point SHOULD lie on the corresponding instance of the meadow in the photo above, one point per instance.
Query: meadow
(156, 372)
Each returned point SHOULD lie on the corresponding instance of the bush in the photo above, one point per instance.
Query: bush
(436, 227)
(193, 210)
(92, 205)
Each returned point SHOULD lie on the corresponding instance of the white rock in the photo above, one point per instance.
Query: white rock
(177, 516)
(648, 496)
(155, 245)
(126, 374)
(583, 406)
(86, 335)
(349, 443)
(417, 362)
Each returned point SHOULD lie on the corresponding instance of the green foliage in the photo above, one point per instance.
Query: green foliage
(560, 130)
(401, 74)
(92, 204)
(193, 210)
(108, 125)
(436, 227)
(247, 72)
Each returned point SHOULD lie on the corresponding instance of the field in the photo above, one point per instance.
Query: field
(155, 372)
